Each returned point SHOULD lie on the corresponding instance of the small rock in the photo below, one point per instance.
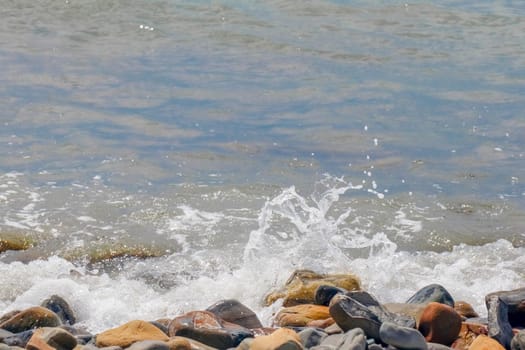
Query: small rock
(129, 333)
(440, 323)
(302, 285)
(60, 307)
(432, 293)
(47, 338)
(33, 317)
(311, 337)
(465, 309)
(301, 315)
(207, 328)
(498, 320)
(281, 339)
(483, 342)
(402, 337)
(518, 342)
(324, 293)
(233, 311)
(149, 345)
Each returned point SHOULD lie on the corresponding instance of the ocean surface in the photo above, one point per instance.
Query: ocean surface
(158, 156)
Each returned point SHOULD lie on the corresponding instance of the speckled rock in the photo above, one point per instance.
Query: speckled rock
(432, 293)
(518, 342)
(302, 285)
(440, 323)
(129, 333)
(483, 342)
(235, 312)
(207, 328)
(281, 339)
(301, 315)
(48, 338)
(33, 317)
(402, 338)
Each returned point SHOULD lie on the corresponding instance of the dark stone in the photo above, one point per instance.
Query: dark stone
(432, 293)
(60, 307)
(498, 321)
(518, 342)
(325, 293)
(160, 326)
(19, 339)
(83, 337)
(233, 311)
(311, 337)
(515, 301)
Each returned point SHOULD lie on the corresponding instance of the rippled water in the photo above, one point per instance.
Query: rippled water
(208, 139)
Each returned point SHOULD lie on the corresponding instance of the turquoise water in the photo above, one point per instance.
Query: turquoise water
(324, 134)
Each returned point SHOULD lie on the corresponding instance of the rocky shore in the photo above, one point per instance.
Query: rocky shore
(320, 312)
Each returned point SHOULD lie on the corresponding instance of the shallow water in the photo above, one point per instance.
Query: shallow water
(208, 139)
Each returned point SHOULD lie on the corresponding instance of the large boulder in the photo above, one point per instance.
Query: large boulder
(302, 285)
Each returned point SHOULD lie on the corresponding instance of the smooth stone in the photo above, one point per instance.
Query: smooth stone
(325, 293)
(33, 317)
(311, 337)
(383, 313)
(333, 329)
(498, 320)
(82, 336)
(411, 310)
(432, 293)
(440, 323)
(301, 315)
(281, 339)
(436, 346)
(245, 344)
(149, 345)
(321, 323)
(352, 340)
(179, 343)
(518, 342)
(61, 308)
(302, 285)
(483, 342)
(162, 326)
(207, 328)
(375, 347)
(129, 333)
(4, 334)
(402, 337)
(233, 311)
(349, 314)
(469, 331)
(465, 309)
(19, 339)
(51, 338)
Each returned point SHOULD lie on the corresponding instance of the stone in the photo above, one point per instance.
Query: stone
(179, 343)
(61, 308)
(129, 333)
(440, 323)
(33, 317)
(325, 293)
(46, 338)
(465, 309)
(5, 334)
(208, 329)
(402, 337)
(311, 337)
(411, 310)
(245, 344)
(436, 346)
(518, 342)
(321, 323)
(432, 293)
(499, 326)
(301, 315)
(281, 339)
(352, 340)
(469, 331)
(19, 339)
(349, 314)
(302, 285)
(235, 312)
(483, 342)
(149, 345)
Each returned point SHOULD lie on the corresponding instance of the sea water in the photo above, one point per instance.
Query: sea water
(213, 147)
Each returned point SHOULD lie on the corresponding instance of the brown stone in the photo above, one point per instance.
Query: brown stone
(33, 317)
(469, 331)
(483, 342)
(465, 309)
(281, 339)
(47, 338)
(179, 343)
(302, 285)
(129, 333)
(301, 315)
(440, 323)
(321, 323)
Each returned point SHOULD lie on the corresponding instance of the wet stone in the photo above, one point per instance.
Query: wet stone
(499, 326)
(129, 333)
(281, 339)
(61, 308)
(325, 293)
(54, 338)
(440, 323)
(402, 337)
(432, 293)
(33, 317)
(301, 315)
(234, 311)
